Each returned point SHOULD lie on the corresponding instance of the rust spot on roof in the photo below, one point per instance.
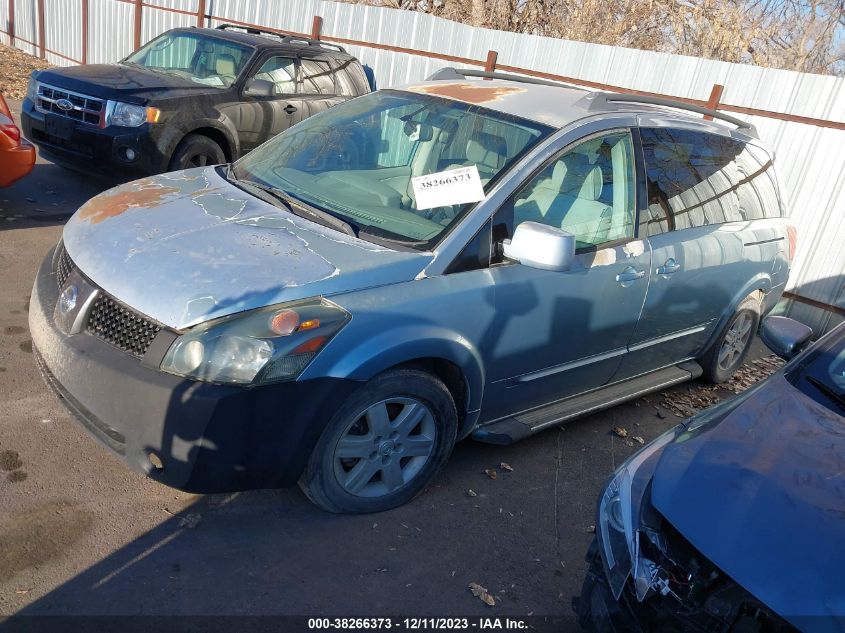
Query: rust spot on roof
(468, 92)
(145, 193)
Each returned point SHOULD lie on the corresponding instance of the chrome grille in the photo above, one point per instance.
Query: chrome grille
(64, 265)
(83, 108)
(121, 326)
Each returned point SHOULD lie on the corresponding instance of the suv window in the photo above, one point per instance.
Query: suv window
(696, 179)
(350, 79)
(317, 77)
(588, 191)
(281, 72)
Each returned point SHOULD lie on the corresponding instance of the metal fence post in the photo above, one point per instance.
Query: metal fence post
(490, 64)
(84, 31)
(139, 7)
(715, 98)
(316, 27)
(42, 47)
(11, 22)
(200, 13)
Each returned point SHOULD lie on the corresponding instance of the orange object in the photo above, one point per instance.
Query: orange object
(17, 155)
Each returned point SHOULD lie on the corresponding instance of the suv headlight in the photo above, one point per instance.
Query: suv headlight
(618, 523)
(32, 89)
(266, 345)
(128, 115)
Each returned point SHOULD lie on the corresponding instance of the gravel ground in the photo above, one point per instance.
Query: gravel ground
(17, 67)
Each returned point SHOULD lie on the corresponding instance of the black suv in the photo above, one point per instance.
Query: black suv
(190, 97)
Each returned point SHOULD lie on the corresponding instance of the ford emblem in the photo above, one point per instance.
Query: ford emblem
(67, 300)
(64, 105)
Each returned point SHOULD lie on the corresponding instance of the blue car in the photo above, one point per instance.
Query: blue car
(735, 519)
(409, 268)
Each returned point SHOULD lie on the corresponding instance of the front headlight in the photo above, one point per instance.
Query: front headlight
(618, 523)
(128, 115)
(32, 89)
(266, 345)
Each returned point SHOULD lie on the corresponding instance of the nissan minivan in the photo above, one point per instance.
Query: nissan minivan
(416, 266)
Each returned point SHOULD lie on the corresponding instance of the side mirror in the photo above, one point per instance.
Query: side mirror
(259, 88)
(541, 246)
(785, 337)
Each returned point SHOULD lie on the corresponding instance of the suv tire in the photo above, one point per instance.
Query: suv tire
(384, 445)
(196, 150)
(728, 351)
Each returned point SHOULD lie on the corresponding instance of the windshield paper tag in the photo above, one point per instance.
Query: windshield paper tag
(445, 188)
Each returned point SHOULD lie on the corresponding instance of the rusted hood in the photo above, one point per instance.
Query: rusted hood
(186, 247)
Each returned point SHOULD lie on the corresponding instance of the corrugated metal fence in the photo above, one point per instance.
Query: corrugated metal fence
(801, 116)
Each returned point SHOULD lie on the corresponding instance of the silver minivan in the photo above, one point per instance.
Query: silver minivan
(458, 257)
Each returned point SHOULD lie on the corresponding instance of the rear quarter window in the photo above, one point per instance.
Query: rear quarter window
(697, 179)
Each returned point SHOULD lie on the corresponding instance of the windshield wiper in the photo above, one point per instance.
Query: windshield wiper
(830, 392)
(389, 236)
(294, 206)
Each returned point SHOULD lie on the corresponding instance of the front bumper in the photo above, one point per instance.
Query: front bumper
(98, 150)
(209, 438)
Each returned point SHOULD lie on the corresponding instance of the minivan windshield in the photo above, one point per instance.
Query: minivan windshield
(198, 58)
(395, 165)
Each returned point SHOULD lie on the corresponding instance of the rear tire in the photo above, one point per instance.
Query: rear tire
(384, 445)
(729, 350)
(196, 150)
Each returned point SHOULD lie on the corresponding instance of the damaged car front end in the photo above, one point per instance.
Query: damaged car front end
(645, 576)
(733, 520)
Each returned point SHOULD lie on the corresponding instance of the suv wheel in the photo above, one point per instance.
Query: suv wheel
(384, 444)
(196, 150)
(728, 352)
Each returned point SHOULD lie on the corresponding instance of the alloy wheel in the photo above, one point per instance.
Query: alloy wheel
(736, 340)
(385, 447)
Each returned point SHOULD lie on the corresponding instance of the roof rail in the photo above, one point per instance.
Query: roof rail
(597, 97)
(282, 37)
(453, 73)
(614, 97)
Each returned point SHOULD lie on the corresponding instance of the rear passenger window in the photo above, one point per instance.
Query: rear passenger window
(317, 77)
(696, 179)
(350, 79)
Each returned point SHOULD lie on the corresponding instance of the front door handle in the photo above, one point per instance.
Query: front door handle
(629, 275)
(671, 266)
(290, 109)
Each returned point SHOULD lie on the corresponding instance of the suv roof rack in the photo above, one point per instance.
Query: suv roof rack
(615, 97)
(450, 72)
(598, 97)
(281, 37)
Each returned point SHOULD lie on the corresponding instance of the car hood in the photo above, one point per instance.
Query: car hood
(761, 493)
(136, 85)
(186, 247)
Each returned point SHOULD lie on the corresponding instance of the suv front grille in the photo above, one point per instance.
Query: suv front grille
(84, 108)
(121, 326)
(64, 265)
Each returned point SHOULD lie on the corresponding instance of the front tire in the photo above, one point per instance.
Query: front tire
(196, 150)
(384, 444)
(728, 352)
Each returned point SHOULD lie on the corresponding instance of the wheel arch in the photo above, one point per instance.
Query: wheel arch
(445, 354)
(760, 285)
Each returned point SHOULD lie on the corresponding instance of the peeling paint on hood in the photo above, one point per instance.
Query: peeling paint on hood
(186, 247)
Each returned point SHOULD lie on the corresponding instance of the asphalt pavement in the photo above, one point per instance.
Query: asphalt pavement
(80, 534)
